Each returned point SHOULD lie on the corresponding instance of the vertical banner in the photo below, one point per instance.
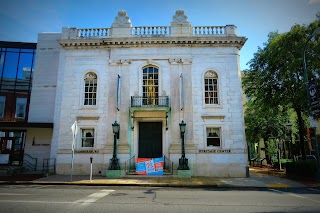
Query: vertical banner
(74, 129)
(118, 93)
(149, 166)
(181, 92)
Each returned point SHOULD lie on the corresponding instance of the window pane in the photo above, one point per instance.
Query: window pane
(10, 65)
(21, 104)
(213, 141)
(90, 90)
(213, 136)
(25, 64)
(211, 87)
(87, 138)
(2, 105)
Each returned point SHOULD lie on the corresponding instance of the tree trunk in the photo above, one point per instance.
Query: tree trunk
(301, 133)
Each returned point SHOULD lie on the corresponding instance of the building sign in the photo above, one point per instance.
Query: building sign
(149, 166)
(86, 151)
(216, 151)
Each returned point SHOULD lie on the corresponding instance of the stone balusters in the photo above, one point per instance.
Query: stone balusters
(155, 31)
(208, 30)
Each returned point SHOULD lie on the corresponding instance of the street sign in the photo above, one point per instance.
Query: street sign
(313, 98)
(313, 122)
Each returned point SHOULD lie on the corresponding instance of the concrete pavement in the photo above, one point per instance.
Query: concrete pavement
(256, 180)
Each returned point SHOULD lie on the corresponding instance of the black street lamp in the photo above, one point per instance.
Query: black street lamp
(289, 127)
(114, 161)
(183, 161)
(315, 32)
(310, 86)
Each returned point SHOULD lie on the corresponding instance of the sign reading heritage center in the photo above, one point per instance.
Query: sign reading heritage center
(149, 166)
(218, 151)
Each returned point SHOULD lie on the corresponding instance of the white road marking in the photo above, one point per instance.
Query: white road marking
(11, 194)
(295, 195)
(276, 190)
(34, 201)
(317, 201)
(314, 189)
(93, 197)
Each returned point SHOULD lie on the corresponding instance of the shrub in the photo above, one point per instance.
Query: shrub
(302, 168)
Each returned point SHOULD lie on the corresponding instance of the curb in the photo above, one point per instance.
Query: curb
(155, 185)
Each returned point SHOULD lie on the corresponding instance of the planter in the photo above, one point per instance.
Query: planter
(184, 173)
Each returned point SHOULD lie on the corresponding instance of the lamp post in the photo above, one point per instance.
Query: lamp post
(289, 127)
(114, 161)
(306, 80)
(183, 161)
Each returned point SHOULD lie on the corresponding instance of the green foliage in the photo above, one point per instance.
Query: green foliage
(303, 168)
(271, 147)
(275, 83)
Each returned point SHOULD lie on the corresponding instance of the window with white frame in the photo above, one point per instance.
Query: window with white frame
(211, 87)
(150, 87)
(87, 138)
(2, 105)
(90, 89)
(213, 136)
(21, 105)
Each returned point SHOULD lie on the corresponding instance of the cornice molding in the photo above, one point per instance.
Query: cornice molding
(188, 41)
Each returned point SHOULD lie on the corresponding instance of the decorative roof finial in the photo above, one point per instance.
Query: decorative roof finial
(122, 20)
(180, 18)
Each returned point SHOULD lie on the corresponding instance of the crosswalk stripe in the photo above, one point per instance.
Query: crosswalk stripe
(93, 197)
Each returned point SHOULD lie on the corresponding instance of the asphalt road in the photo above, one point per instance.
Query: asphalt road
(49, 198)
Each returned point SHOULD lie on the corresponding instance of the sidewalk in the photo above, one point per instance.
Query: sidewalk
(259, 178)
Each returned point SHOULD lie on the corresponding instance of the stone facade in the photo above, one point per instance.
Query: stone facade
(182, 54)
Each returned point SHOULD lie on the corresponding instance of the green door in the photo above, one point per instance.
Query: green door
(150, 140)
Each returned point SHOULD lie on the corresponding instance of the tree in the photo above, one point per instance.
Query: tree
(275, 76)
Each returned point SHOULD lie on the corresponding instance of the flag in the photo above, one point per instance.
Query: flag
(74, 129)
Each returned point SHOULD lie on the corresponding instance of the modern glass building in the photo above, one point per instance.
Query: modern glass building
(17, 61)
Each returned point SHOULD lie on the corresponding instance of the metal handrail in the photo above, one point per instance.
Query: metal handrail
(167, 165)
(130, 165)
(49, 166)
(32, 165)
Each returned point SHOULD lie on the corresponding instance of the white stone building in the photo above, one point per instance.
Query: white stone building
(148, 79)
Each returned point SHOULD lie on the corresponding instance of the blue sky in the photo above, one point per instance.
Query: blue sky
(22, 20)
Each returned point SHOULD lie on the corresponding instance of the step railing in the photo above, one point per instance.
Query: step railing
(130, 165)
(49, 166)
(167, 166)
(30, 162)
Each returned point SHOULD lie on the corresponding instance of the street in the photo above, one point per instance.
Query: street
(63, 198)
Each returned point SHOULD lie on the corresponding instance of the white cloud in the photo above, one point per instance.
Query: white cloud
(313, 1)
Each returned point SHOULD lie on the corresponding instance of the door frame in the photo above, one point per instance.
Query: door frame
(165, 145)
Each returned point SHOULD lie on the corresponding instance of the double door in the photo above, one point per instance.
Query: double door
(12, 148)
(150, 140)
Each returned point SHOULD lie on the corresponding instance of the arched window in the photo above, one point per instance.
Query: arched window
(150, 87)
(211, 87)
(90, 89)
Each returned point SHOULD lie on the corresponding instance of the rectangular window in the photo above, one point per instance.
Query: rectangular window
(211, 91)
(21, 106)
(2, 105)
(213, 136)
(87, 138)
(90, 93)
